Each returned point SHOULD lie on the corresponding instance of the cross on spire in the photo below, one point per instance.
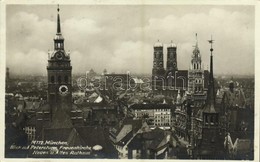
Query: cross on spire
(211, 41)
(212, 88)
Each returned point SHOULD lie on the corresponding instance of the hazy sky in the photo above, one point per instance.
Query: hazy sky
(121, 38)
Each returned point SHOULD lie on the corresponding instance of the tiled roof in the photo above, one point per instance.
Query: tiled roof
(156, 136)
(45, 107)
(151, 106)
(85, 136)
(126, 139)
(136, 142)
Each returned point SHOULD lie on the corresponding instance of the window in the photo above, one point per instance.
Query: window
(212, 119)
(206, 119)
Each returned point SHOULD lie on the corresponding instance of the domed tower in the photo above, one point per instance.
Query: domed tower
(59, 78)
(158, 66)
(171, 66)
(171, 57)
(196, 72)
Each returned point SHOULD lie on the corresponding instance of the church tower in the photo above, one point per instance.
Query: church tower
(196, 72)
(59, 79)
(158, 72)
(211, 143)
(171, 58)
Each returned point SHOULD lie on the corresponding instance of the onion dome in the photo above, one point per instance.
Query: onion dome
(172, 45)
(158, 44)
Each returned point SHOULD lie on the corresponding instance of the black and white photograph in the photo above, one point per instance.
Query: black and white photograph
(130, 81)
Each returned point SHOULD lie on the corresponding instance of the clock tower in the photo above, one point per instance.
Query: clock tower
(59, 78)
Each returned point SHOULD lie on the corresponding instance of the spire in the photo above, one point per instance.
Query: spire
(58, 39)
(196, 40)
(211, 90)
(196, 51)
(58, 21)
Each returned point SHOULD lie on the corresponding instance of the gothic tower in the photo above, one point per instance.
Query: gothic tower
(158, 72)
(196, 72)
(59, 79)
(171, 58)
(211, 138)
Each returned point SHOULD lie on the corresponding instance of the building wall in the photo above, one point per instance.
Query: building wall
(159, 117)
(162, 117)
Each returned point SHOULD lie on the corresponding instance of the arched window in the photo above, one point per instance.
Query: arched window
(59, 79)
(212, 119)
(52, 79)
(194, 66)
(206, 120)
(66, 79)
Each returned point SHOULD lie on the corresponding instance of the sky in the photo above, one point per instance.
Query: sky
(120, 38)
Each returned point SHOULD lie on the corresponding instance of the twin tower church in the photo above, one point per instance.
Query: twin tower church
(167, 80)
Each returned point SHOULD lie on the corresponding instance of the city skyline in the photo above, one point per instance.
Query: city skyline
(176, 113)
(106, 44)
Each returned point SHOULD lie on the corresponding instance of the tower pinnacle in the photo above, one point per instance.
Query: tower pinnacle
(196, 40)
(211, 79)
(58, 20)
(58, 39)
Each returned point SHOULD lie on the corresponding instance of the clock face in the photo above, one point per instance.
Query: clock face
(64, 90)
(59, 56)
